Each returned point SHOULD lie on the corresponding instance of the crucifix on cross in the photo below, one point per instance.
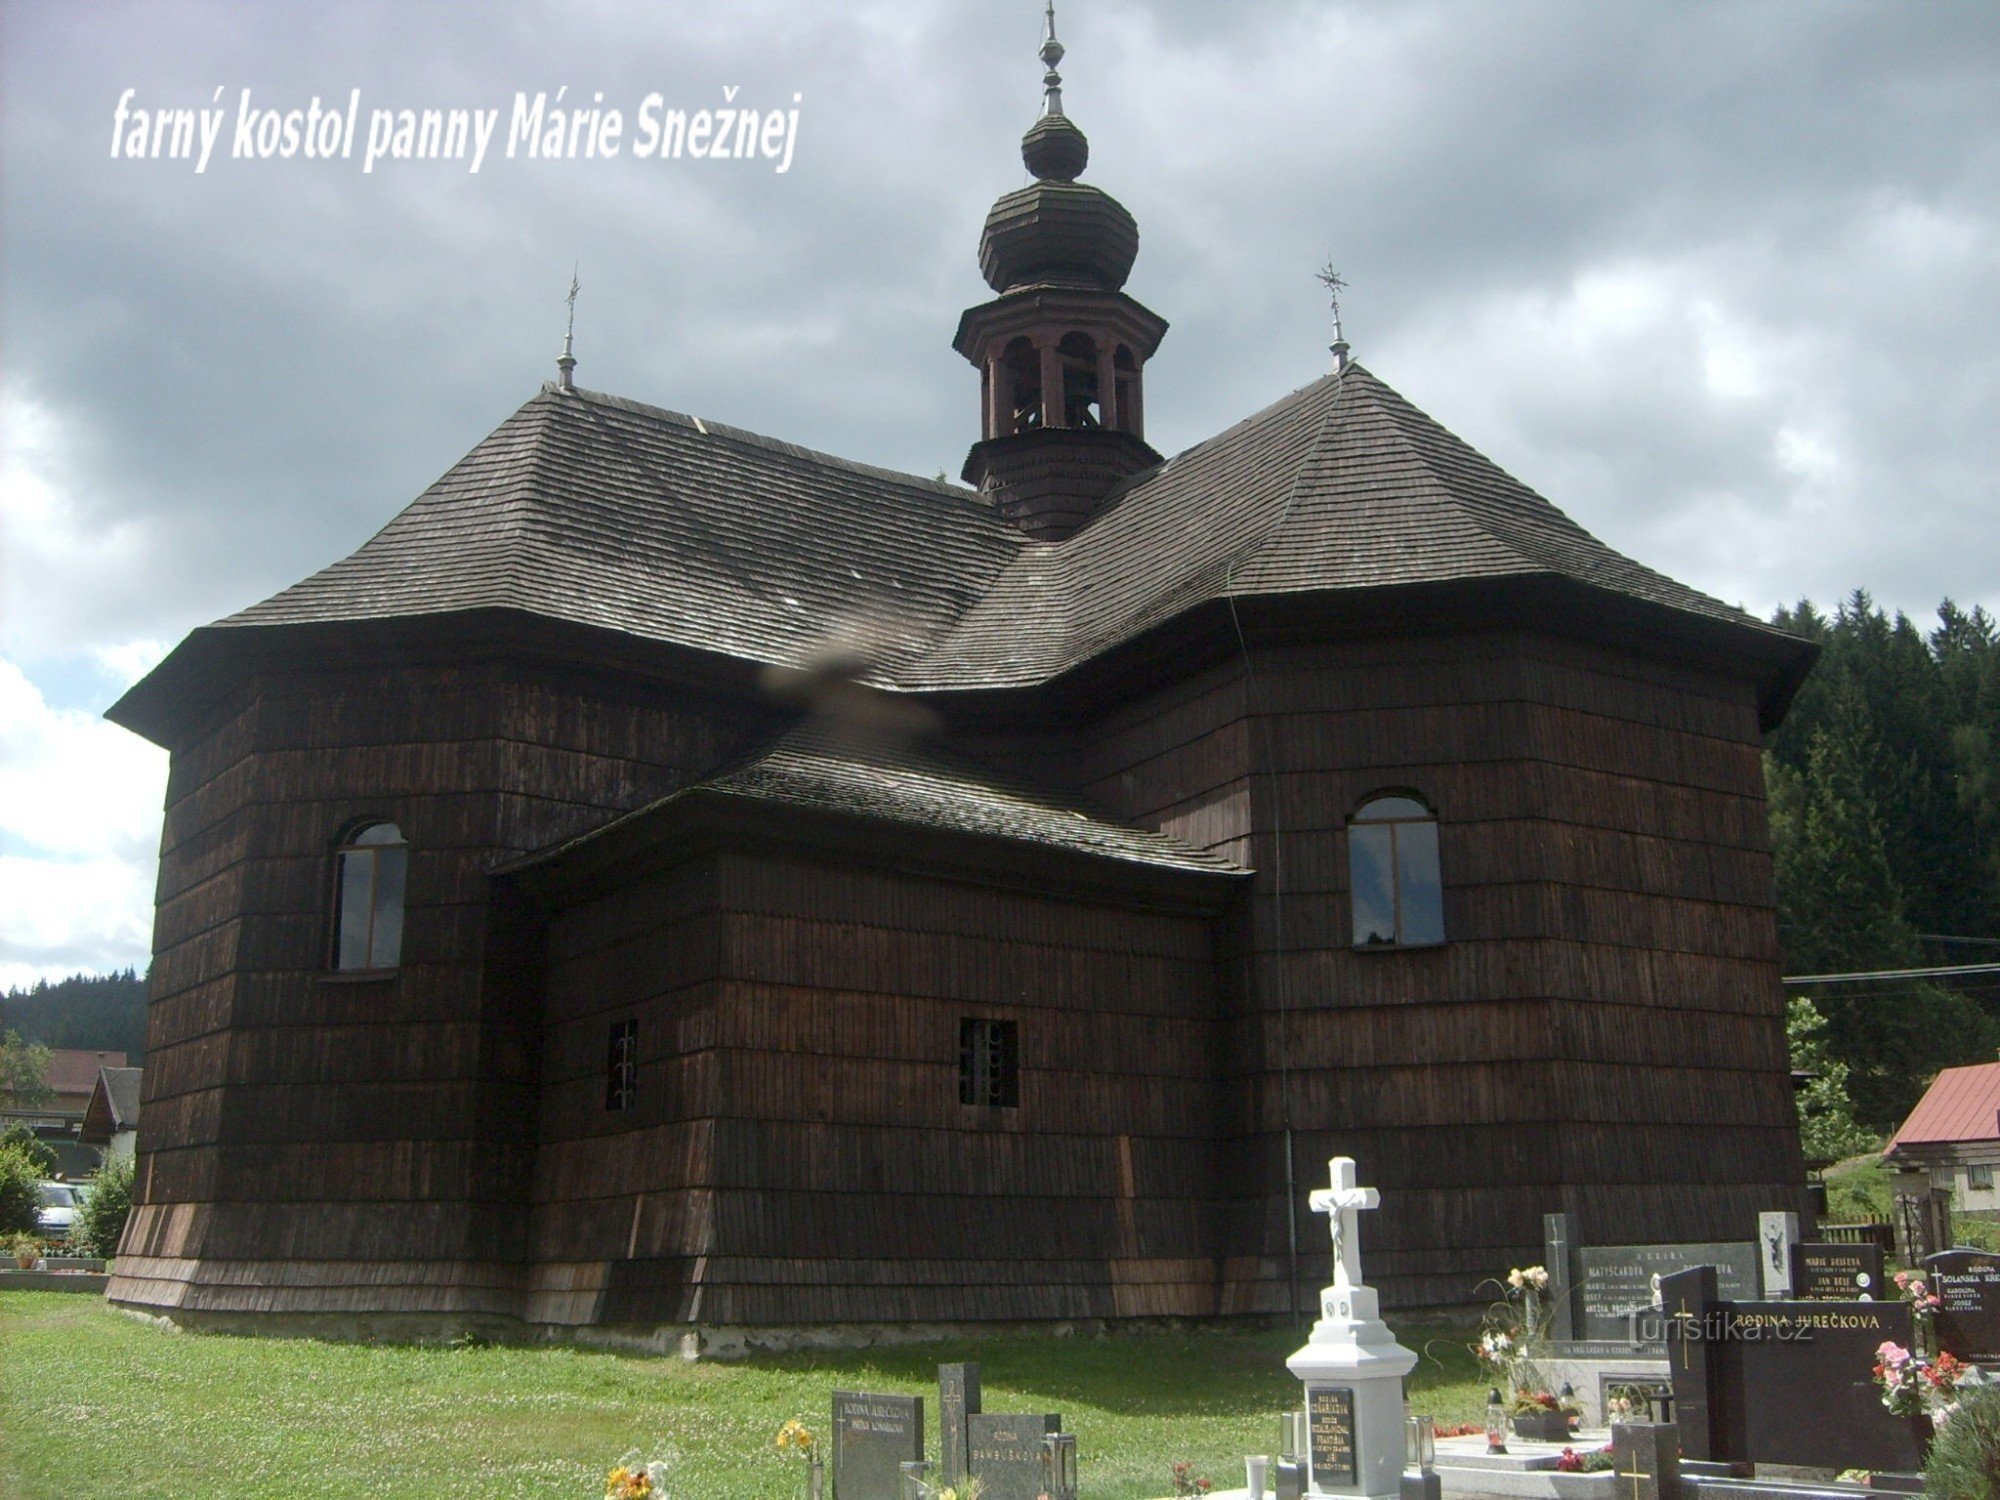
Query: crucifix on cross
(1340, 1203)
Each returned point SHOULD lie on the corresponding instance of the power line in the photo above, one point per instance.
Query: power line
(1944, 973)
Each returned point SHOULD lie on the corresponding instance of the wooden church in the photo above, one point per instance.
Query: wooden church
(669, 879)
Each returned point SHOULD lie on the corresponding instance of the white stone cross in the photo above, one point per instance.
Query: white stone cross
(1339, 1203)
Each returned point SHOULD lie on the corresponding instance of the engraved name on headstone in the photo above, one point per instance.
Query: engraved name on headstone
(873, 1435)
(1620, 1281)
(1330, 1423)
(1004, 1452)
(1968, 1283)
(1837, 1273)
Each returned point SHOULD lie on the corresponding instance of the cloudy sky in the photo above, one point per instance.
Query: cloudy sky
(1721, 280)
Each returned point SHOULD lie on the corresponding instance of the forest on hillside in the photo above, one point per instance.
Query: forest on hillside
(1884, 783)
(91, 1012)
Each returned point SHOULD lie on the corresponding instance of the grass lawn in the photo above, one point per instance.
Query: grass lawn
(94, 1402)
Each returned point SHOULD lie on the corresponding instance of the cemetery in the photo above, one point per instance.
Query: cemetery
(1775, 1367)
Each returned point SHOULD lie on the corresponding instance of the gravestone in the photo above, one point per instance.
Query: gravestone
(958, 1398)
(1784, 1382)
(1005, 1453)
(1351, 1365)
(873, 1436)
(1646, 1458)
(1619, 1281)
(1559, 1260)
(1967, 1282)
(1777, 1233)
(1836, 1273)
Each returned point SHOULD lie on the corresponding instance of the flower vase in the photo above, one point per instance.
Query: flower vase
(815, 1479)
(1545, 1426)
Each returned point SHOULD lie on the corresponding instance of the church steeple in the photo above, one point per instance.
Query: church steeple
(1061, 349)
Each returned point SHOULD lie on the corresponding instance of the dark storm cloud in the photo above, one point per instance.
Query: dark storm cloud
(1716, 278)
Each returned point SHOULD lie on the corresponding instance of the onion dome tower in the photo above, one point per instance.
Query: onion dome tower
(1060, 351)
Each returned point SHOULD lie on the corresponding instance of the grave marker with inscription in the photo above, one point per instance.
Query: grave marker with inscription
(1006, 1454)
(1351, 1365)
(1968, 1283)
(1330, 1436)
(1836, 1273)
(1784, 1382)
(873, 1436)
(1619, 1281)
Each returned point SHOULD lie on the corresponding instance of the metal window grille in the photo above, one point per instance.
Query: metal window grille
(989, 1071)
(621, 1068)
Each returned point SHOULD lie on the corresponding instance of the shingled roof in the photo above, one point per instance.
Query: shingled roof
(899, 780)
(667, 529)
(585, 508)
(1341, 486)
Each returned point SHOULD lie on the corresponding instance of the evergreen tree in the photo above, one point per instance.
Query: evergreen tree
(1827, 1130)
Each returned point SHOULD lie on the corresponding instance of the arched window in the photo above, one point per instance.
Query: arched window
(1392, 874)
(1021, 375)
(1079, 367)
(370, 868)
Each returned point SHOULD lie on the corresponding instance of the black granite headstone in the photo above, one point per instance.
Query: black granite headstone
(958, 1398)
(1646, 1460)
(1836, 1273)
(873, 1435)
(1331, 1436)
(1968, 1284)
(1618, 1280)
(1784, 1382)
(1800, 1384)
(1559, 1260)
(1004, 1452)
(1685, 1300)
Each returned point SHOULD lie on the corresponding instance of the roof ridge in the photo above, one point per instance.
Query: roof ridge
(1517, 533)
(1255, 546)
(708, 427)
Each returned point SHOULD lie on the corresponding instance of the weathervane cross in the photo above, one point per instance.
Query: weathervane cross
(1340, 1203)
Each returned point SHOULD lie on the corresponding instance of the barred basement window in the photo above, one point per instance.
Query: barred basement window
(1392, 869)
(621, 1067)
(989, 1070)
(371, 868)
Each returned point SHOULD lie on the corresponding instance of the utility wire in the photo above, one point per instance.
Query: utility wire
(1944, 973)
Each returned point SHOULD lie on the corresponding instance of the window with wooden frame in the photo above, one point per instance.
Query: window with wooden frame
(1979, 1178)
(371, 870)
(1392, 874)
(621, 1066)
(989, 1063)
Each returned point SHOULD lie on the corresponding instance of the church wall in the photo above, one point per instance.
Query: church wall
(318, 1143)
(800, 1154)
(1602, 1029)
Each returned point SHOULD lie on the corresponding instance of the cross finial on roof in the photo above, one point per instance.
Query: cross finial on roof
(566, 362)
(1052, 53)
(1339, 1203)
(1331, 280)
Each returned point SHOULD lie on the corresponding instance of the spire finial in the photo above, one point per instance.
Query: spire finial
(1052, 53)
(1331, 280)
(566, 362)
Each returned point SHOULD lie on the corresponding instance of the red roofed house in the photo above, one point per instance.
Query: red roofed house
(1952, 1138)
(72, 1075)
